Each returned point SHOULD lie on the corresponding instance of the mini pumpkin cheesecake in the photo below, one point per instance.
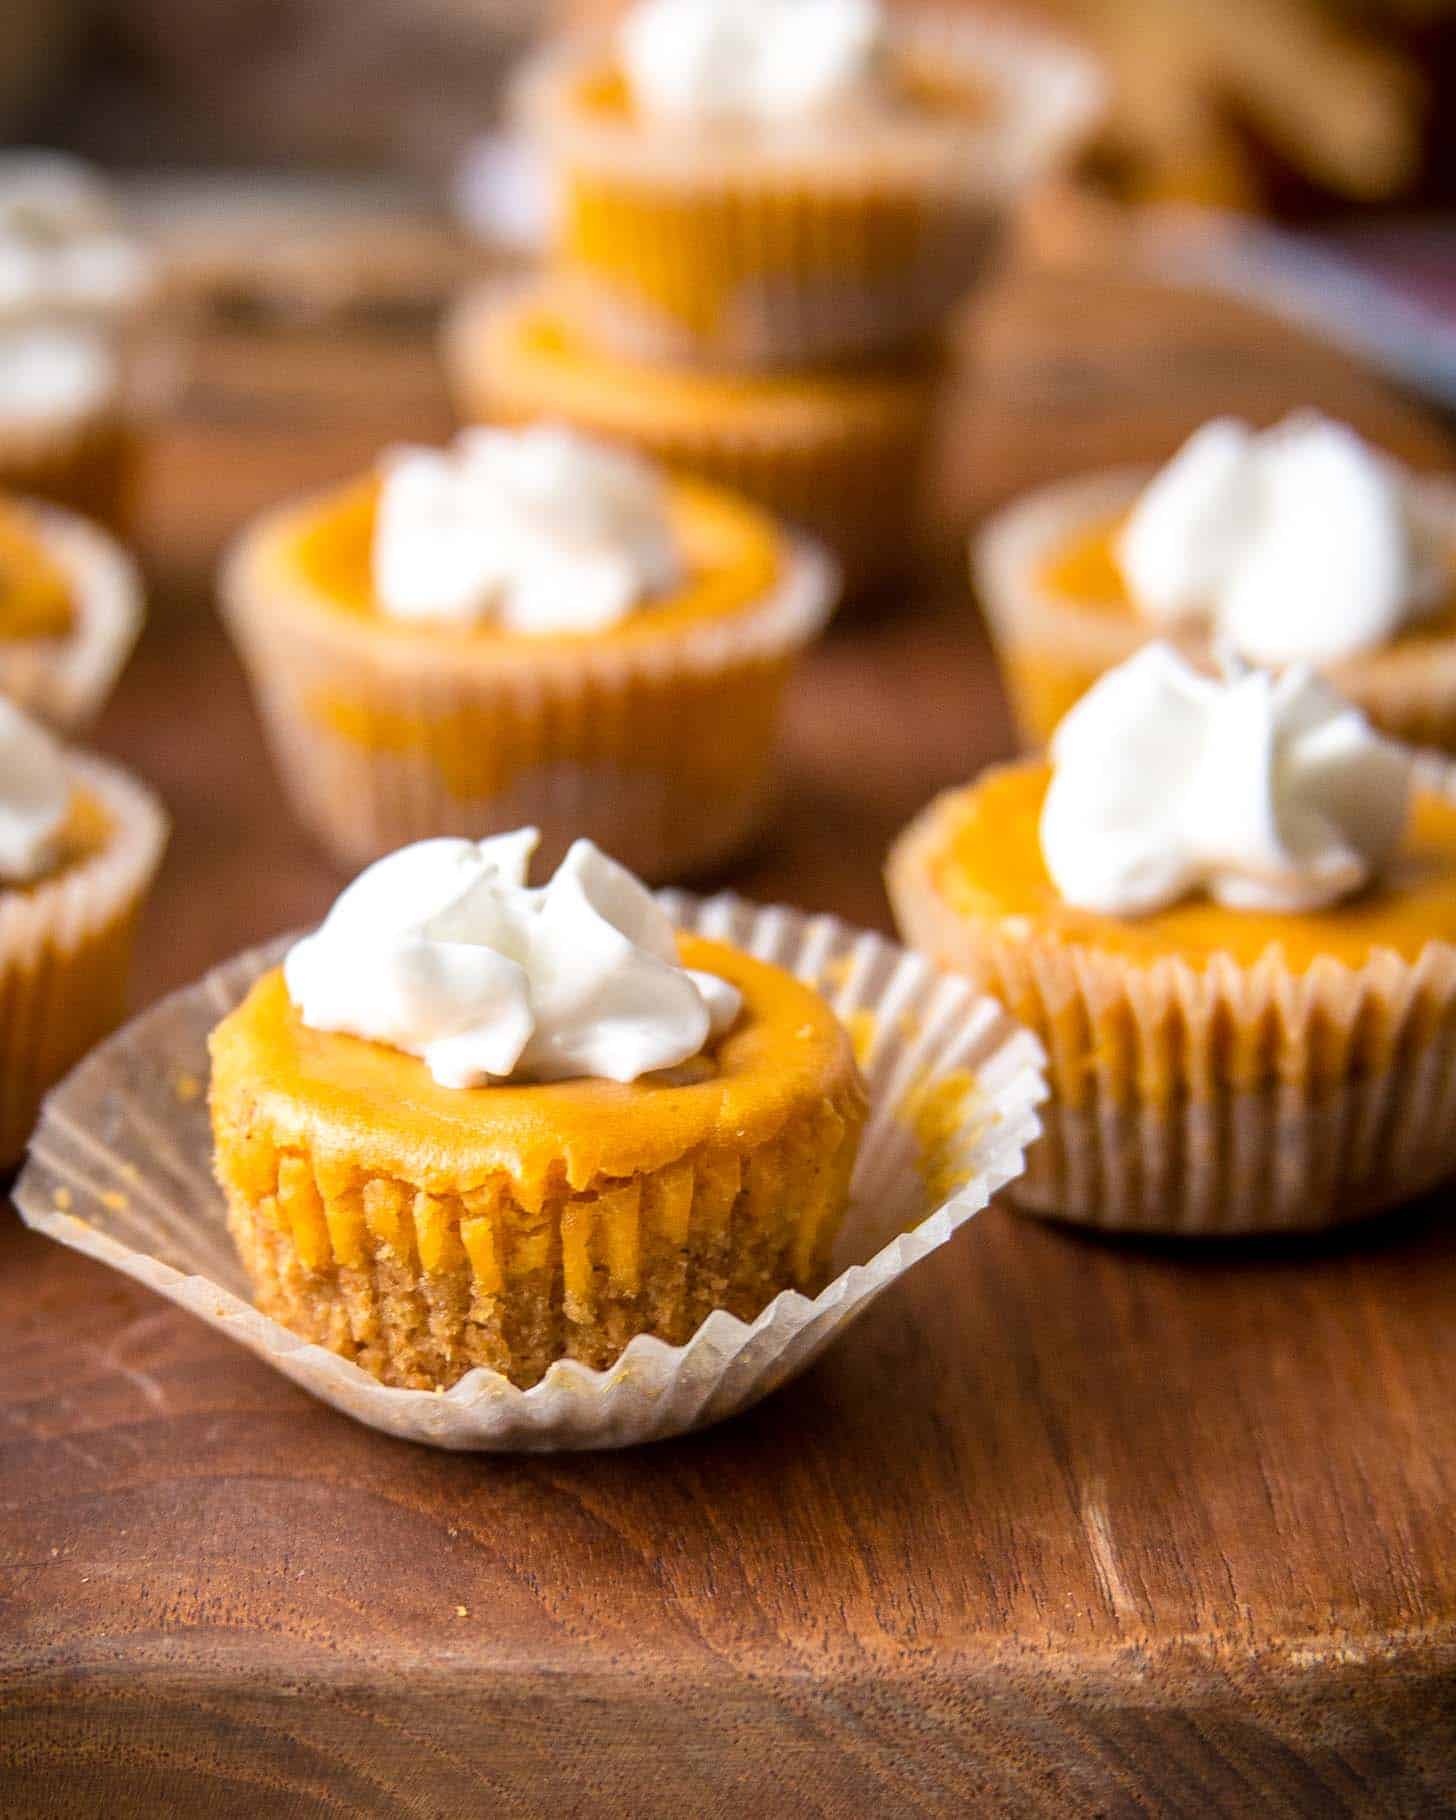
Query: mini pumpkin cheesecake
(80, 842)
(65, 431)
(532, 626)
(1236, 944)
(842, 454)
(471, 1124)
(70, 611)
(1297, 545)
(788, 184)
(77, 295)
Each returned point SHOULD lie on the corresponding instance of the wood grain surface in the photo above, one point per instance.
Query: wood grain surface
(1063, 1529)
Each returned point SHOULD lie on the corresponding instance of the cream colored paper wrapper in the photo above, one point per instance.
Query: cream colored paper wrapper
(121, 1169)
(796, 247)
(65, 948)
(1053, 649)
(65, 681)
(661, 751)
(1286, 1102)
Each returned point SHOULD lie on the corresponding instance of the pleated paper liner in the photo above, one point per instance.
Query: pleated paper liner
(792, 248)
(120, 1169)
(841, 455)
(1052, 648)
(65, 681)
(661, 750)
(65, 949)
(1218, 1100)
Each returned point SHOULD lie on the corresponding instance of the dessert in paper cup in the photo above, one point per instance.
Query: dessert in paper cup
(1300, 544)
(530, 627)
(841, 454)
(1228, 908)
(70, 611)
(540, 1258)
(79, 315)
(787, 184)
(80, 842)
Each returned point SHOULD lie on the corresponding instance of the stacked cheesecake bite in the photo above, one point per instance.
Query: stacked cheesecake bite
(766, 213)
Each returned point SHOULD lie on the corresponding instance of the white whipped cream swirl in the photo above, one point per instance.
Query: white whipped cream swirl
(1266, 792)
(443, 951)
(62, 250)
(1295, 545)
(35, 797)
(540, 530)
(715, 62)
(50, 373)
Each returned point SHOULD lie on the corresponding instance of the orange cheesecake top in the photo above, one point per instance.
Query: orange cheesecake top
(910, 85)
(733, 553)
(36, 599)
(989, 866)
(84, 834)
(530, 342)
(363, 1105)
(1084, 571)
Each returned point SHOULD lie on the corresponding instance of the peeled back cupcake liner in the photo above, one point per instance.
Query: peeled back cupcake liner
(844, 459)
(794, 247)
(661, 750)
(121, 1170)
(65, 681)
(1214, 1100)
(65, 949)
(1052, 649)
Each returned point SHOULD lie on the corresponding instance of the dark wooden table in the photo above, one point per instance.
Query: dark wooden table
(1063, 1529)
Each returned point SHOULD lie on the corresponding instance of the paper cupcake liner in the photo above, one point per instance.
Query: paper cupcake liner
(846, 463)
(1053, 649)
(1219, 1100)
(661, 750)
(121, 1170)
(65, 681)
(792, 249)
(65, 947)
(83, 464)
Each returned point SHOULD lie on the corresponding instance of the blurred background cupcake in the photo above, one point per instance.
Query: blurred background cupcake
(352, 215)
(76, 291)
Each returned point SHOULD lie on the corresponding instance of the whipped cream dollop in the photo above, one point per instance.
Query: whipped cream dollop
(48, 373)
(62, 248)
(35, 797)
(443, 950)
(1266, 792)
(1294, 544)
(541, 530)
(725, 61)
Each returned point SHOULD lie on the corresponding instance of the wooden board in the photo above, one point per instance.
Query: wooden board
(1064, 1527)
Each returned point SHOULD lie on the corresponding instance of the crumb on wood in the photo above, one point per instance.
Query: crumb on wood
(186, 1088)
(62, 1200)
(115, 1200)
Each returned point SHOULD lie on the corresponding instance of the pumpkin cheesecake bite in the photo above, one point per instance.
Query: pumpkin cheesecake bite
(80, 842)
(528, 626)
(70, 611)
(76, 293)
(1299, 544)
(1231, 919)
(468, 1123)
(786, 182)
(841, 453)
